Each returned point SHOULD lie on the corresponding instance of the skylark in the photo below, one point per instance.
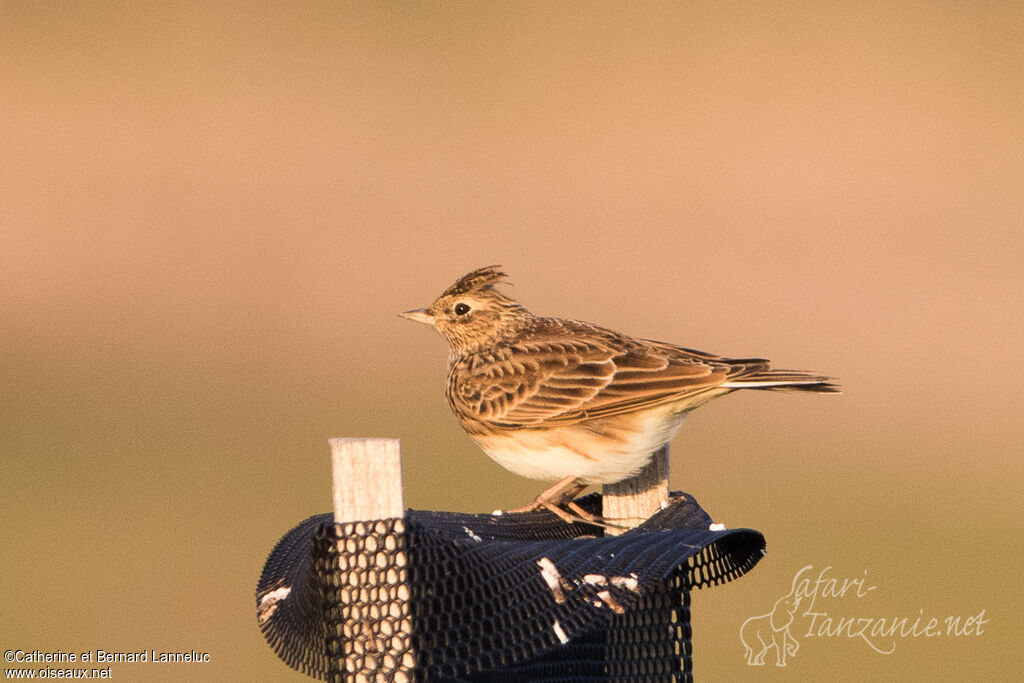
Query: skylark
(556, 399)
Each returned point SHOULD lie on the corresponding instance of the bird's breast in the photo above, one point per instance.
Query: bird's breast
(600, 452)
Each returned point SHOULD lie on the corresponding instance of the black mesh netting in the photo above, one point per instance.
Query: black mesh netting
(443, 596)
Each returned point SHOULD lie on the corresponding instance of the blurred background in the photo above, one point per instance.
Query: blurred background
(211, 213)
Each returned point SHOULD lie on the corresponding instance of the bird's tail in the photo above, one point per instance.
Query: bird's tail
(783, 380)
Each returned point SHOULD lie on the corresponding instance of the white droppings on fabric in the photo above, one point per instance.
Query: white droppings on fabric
(560, 632)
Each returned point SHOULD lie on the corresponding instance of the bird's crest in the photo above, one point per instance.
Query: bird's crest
(479, 280)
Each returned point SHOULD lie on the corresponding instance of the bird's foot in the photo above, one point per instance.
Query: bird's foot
(559, 501)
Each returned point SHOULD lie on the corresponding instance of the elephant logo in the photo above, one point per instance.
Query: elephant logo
(766, 631)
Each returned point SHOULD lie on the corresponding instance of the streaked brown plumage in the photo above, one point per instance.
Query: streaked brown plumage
(551, 399)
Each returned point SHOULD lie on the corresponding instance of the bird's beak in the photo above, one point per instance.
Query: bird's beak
(419, 315)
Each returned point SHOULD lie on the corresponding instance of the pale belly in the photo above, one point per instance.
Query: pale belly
(601, 455)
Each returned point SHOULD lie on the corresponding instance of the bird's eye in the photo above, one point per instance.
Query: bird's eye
(461, 308)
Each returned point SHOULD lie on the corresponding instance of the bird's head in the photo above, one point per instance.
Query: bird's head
(471, 313)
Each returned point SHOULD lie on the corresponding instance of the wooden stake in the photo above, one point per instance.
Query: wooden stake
(373, 596)
(367, 479)
(630, 502)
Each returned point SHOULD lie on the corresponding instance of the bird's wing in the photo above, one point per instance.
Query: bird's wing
(559, 381)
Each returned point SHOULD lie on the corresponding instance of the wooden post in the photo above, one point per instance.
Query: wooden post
(630, 502)
(373, 598)
(367, 479)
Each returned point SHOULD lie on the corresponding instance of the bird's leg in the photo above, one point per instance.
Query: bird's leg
(554, 496)
(562, 494)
